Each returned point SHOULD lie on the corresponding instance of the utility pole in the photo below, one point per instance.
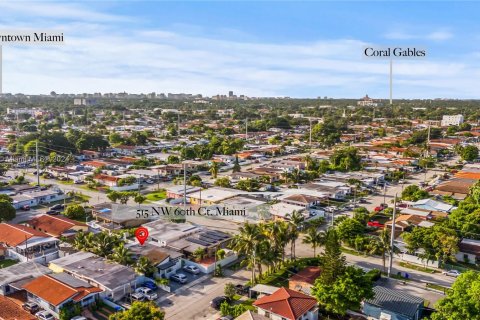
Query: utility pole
(392, 236)
(1, 70)
(38, 165)
(391, 82)
(184, 187)
(428, 142)
(384, 191)
(310, 141)
(178, 123)
(246, 129)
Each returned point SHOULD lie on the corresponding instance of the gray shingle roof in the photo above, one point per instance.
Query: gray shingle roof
(395, 301)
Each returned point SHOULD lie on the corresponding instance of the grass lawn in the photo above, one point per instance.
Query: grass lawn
(437, 287)
(352, 252)
(155, 196)
(415, 267)
(7, 263)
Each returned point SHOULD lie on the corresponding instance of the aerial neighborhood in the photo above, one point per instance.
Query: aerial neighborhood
(235, 207)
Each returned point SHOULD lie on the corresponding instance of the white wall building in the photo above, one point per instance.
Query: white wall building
(454, 120)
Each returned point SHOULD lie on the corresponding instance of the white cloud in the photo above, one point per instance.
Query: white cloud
(440, 35)
(101, 56)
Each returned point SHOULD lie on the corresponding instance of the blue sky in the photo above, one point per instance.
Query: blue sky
(296, 49)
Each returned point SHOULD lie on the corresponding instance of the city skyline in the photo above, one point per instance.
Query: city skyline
(258, 49)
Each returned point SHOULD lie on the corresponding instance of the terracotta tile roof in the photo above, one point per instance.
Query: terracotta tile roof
(14, 234)
(303, 198)
(9, 310)
(308, 275)
(456, 185)
(96, 164)
(55, 292)
(105, 177)
(287, 303)
(54, 225)
(468, 175)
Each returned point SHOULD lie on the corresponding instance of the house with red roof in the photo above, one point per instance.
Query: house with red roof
(304, 280)
(27, 244)
(287, 304)
(52, 292)
(56, 226)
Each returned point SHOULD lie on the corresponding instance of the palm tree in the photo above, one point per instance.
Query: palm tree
(144, 266)
(79, 242)
(314, 238)
(381, 246)
(247, 242)
(121, 254)
(104, 243)
(295, 224)
(214, 169)
(309, 162)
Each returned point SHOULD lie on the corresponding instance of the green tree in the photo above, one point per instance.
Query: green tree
(346, 159)
(348, 229)
(199, 254)
(223, 182)
(229, 290)
(345, 292)
(414, 193)
(113, 196)
(314, 238)
(121, 254)
(236, 165)
(144, 266)
(332, 261)
(140, 311)
(7, 211)
(75, 211)
(462, 300)
(139, 198)
(469, 153)
(127, 181)
(248, 185)
(214, 167)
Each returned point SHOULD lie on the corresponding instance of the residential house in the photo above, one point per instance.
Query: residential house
(433, 205)
(9, 310)
(24, 243)
(469, 251)
(282, 210)
(457, 188)
(53, 291)
(114, 279)
(287, 304)
(56, 226)
(421, 213)
(166, 261)
(36, 197)
(389, 304)
(304, 280)
(176, 192)
(250, 315)
(11, 277)
(211, 196)
(405, 221)
(107, 180)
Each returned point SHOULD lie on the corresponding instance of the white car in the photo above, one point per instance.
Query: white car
(137, 296)
(451, 273)
(150, 181)
(179, 277)
(44, 315)
(79, 318)
(192, 269)
(148, 293)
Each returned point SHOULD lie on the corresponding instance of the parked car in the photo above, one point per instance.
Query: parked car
(192, 269)
(26, 207)
(53, 212)
(137, 296)
(402, 205)
(150, 285)
(31, 307)
(378, 209)
(79, 318)
(179, 277)
(241, 289)
(362, 200)
(226, 318)
(217, 301)
(149, 181)
(78, 181)
(56, 207)
(44, 315)
(451, 273)
(148, 293)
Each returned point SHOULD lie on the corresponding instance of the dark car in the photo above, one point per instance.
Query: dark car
(57, 207)
(361, 200)
(150, 285)
(241, 289)
(53, 212)
(216, 302)
(31, 307)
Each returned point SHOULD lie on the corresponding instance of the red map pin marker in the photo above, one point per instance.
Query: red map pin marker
(141, 234)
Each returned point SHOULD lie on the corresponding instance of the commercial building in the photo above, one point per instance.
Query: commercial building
(454, 120)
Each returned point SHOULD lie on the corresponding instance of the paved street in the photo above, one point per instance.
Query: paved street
(194, 302)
